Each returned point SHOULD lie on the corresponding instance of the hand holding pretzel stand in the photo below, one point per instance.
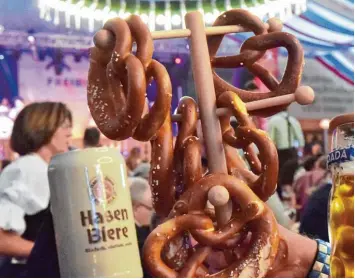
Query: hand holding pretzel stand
(181, 191)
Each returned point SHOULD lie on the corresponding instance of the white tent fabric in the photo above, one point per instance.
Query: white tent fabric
(325, 35)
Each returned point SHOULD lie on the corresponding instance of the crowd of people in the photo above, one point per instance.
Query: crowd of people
(42, 130)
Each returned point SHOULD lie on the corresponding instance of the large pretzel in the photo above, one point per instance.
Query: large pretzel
(187, 128)
(122, 91)
(264, 184)
(161, 172)
(116, 98)
(252, 50)
(115, 114)
(250, 214)
(187, 169)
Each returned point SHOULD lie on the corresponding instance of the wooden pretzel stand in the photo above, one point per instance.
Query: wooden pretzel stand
(205, 89)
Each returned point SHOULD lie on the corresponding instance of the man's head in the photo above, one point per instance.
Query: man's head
(92, 137)
(141, 196)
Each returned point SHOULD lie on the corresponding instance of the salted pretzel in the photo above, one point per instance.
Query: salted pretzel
(187, 128)
(116, 96)
(115, 114)
(251, 51)
(161, 172)
(187, 169)
(266, 169)
(250, 214)
(241, 18)
(181, 245)
(123, 95)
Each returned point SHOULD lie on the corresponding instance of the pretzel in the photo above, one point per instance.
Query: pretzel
(115, 114)
(264, 184)
(187, 169)
(176, 252)
(254, 215)
(118, 109)
(161, 172)
(192, 167)
(188, 109)
(251, 51)
(235, 17)
(181, 192)
(151, 122)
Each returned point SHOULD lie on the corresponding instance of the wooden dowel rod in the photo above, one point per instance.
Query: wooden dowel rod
(304, 95)
(211, 129)
(206, 96)
(184, 33)
(220, 112)
(106, 40)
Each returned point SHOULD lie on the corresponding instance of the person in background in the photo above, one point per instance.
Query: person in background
(310, 139)
(317, 149)
(285, 189)
(18, 106)
(133, 159)
(41, 130)
(314, 220)
(4, 163)
(286, 132)
(141, 197)
(142, 170)
(251, 86)
(91, 137)
(311, 180)
(4, 106)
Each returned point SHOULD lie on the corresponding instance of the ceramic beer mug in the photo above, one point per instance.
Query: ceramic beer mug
(92, 213)
(341, 203)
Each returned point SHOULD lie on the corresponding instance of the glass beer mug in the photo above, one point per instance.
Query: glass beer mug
(341, 203)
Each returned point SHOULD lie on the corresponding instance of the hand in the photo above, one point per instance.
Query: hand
(300, 252)
(294, 259)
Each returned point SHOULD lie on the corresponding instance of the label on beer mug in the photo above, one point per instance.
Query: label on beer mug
(92, 214)
(341, 155)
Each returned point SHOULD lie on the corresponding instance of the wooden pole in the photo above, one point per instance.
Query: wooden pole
(204, 87)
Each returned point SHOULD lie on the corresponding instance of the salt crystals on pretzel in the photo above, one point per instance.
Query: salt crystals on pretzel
(181, 191)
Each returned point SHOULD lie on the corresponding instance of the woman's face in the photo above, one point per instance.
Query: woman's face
(61, 138)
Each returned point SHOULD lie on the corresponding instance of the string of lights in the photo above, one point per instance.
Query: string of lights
(87, 13)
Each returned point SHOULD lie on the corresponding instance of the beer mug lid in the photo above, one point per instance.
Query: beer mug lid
(340, 120)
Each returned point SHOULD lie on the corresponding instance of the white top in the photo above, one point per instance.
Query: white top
(24, 190)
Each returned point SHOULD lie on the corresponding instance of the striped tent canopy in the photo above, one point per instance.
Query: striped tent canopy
(326, 34)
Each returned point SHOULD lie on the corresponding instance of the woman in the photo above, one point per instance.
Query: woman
(41, 130)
